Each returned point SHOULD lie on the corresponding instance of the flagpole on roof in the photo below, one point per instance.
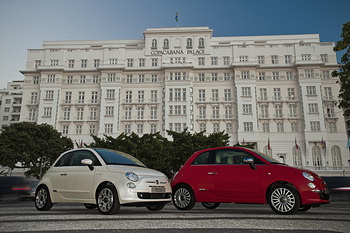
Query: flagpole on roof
(177, 19)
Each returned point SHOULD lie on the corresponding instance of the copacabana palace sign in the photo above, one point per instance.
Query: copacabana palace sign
(177, 51)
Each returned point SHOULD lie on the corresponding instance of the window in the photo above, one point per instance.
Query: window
(247, 109)
(141, 96)
(243, 58)
(153, 113)
(33, 98)
(32, 115)
(177, 127)
(336, 158)
(65, 129)
(245, 74)
(289, 75)
(82, 79)
(95, 79)
(277, 94)
(96, 63)
(201, 77)
(141, 62)
(69, 79)
(201, 94)
(83, 63)
(325, 74)
(153, 128)
(66, 114)
(113, 61)
(201, 61)
(274, 59)
(248, 126)
(109, 110)
(280, 127)
(309, 73)
(37, 63)
(216, 112)
(292, 110)
(54, 62)
(316, 157)
(275, 76)
(202, 112)
(261, 75)
(189, 43)
(214, 77)
(201, 42)
(93, 114)
(228, 111)
(92, 129)
(141, 78)
(313, 108)
(130, 62)
(328, 93)
(127, 129)
(79, 129)
(246, 91)
(140, 113)
(291, 93)
(36, 80)
(129, 78)
(127, 112)
(227, 77)
(216, 127)
(154, 44)
(315, 126)
(49, 95)
(202, 127)
(154, 78)
(287, 59)
(294, 126)
(226, 61)
(81, 97)
(111, 77)
(70, 63)
(154, 61)
(47, 111)
(278, 111)
(264, 111)
(108, 128)
(214, 61)
(324, 57)
(261, 60)
(51, 78)
(311, 90)
(266, 127)
(227, 95)
(333, 127)
(263, 94)
(165, 44)
(296, 157)
(305, 57)
(154, 96)
(215, 94)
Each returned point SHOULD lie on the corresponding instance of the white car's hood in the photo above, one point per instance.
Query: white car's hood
(140, 171)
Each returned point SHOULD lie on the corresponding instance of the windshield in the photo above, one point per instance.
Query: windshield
(113, 157)
(266, 157)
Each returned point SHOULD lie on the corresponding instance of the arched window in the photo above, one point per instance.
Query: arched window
(154, 44)
(336, 158)
(201, 42)
(316, 157)
(166, 44)
(189, 43)
(267, 151)
(297, 157)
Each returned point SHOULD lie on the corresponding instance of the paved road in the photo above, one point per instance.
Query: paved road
(23, 217)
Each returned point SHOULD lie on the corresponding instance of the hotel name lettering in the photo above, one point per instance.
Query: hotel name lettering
(178, 51)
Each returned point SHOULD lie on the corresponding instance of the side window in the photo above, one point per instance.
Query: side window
(229, 157)
(64, 160)
(83, 154)
(202, 159)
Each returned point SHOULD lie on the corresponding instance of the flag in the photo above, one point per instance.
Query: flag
(296, 144)
(243, 143)
(268, 144)
(323, 144)
(349, 142)
(177, 17)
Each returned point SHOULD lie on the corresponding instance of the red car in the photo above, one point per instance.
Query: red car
(241, 175)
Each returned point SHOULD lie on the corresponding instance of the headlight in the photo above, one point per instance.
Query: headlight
(308, 176)
(131, 176)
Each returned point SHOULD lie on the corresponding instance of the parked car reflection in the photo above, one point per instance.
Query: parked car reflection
(339, 187)
(15, 188)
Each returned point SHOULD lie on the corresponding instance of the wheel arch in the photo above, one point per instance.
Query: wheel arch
(279, 182)
(101, 185)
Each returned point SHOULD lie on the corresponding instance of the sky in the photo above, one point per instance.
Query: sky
(25, 24)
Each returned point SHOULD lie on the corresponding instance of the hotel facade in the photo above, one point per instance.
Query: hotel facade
(274, 91)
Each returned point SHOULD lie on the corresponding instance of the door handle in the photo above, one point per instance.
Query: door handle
(212, 173)
(63, 174)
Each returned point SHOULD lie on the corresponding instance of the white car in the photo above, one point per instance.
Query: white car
(102, 178)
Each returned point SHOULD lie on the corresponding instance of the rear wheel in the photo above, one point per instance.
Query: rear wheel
(183, 197)
(90, 206)
(107, 200)
(211, 205)
(42, 199)
(284, 199)
(155, 207)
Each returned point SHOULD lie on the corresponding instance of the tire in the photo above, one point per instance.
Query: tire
(284, 199)
(183, 197)
(304, 208)
(155, 207)
(43, 199)
(211, 205)
(107, 200)
(90, 206)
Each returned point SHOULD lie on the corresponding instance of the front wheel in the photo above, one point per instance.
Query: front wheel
(107, 200)
(211, 205)
(155, 207)
(42, 199)
(284, 199)
(183, 197)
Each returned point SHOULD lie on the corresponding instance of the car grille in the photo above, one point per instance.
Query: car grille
(153, 195)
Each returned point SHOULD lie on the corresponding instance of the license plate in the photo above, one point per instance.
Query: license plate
(159, 189)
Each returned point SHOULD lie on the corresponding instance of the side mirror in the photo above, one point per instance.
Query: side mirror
(88, 162)
(250, 161)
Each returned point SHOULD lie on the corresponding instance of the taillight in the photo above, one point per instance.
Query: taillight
(20, 188)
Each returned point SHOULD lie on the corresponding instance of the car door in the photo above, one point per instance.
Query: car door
(76, 181)
(231, 180)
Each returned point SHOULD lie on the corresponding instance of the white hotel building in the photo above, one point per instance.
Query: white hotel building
(259, 89)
